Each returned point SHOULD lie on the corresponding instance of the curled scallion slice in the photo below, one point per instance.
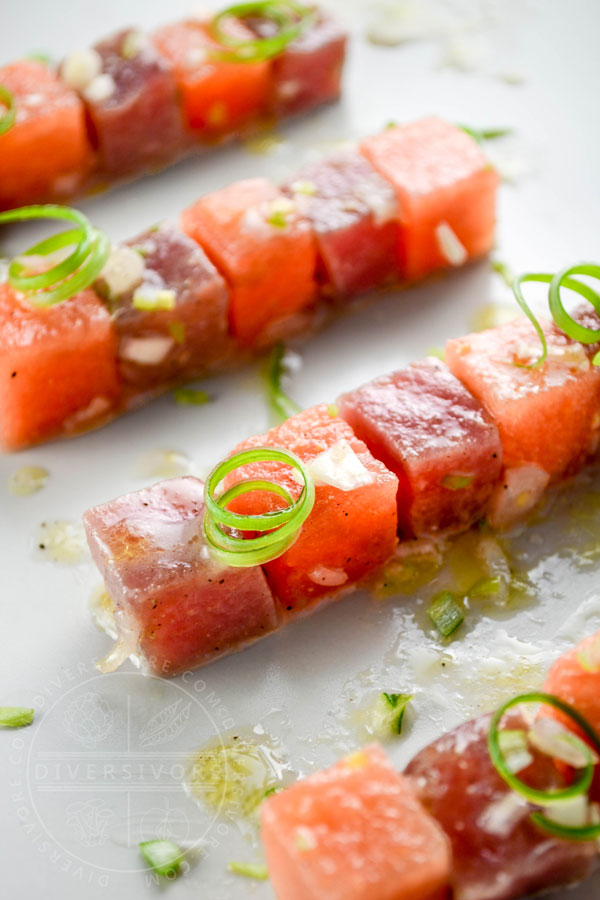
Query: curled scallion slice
(7, 100)
(289, 17)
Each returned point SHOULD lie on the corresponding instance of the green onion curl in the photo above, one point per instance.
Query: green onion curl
(7, 119)
(289, 17)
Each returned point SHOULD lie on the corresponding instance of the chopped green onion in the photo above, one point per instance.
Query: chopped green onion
(333, 410)
(278, 529)
(289, 17)
(278, 219)
(387, 714)
(178, 332)
(567, 832)
(308, 188)
(485, 134)
(270, 791)
(150, 300)
(40, 56)
(15, 716)
(249, 870)
(7, 118)
(445, 613)
(390, 124)
(282, 405)
(438, 352)
(484, 587)
(67, 277)
(163, 857)
(457, 482)
(190, 396)
(534, 795)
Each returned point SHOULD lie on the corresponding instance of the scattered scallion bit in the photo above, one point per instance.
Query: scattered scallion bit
(457, 482)
(15, 716)
(249, 870)
(278, 219)
(439, 352)
(153, 301)
(8, 109)
(386, 716)
(445, 613)
(270, 791)
(164, 857)
(190, 396)
(263, 144)
(40, 56)
(282, 405)
(390, 124)
(178, 332)
(306, 187)
(333, 410)
(485, 587)
(485, 134)
(504, 271)
(27, 480)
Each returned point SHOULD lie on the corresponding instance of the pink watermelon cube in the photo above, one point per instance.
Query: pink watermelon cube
(446, 190)
(498, 853)
(132, 106)
(161, 346)
(353, 212)
(428, 429)
(549, 416)
(185, 608)
(351, 530)
(354, 832)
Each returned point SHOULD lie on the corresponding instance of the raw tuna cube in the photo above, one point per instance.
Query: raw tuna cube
(218, 96)
(46, 154)
(266, 252)
(446, 190)
(161, 346)
(353, 212)
(546, 416)
(498, 853)
(132, 107)
(309, 71)
(58, 368)
(575, 677)
(349, 533)
(354, 832)
(184, 608)
(424, 426)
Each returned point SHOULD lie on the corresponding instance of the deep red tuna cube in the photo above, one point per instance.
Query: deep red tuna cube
(132, 106)
(353, 212)
(498, 853)
(432, 433)
(186, 336)
(184, 608)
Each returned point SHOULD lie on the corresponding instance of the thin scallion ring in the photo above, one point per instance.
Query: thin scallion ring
(91, 249)
(534, 795)
(278, 529)
(7, 120)
(291, 19)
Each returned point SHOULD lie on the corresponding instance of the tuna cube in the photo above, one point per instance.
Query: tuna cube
(183, 608)
(46, 154)
(309, 71)
(219, 96)
(351, 530)
(428, 429)
(354, 832)
(58, 368)
(186, 338)
(353, 212)
(498, 853)
(254, 236)
(446, 190)
(131, 103)
(547, 416)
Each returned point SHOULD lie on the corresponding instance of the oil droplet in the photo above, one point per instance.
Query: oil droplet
(264, 144)
(162, 463)
(62, 541)
(27, 480)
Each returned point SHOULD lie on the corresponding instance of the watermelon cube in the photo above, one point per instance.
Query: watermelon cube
(574, 677)
(427, 429)
(351, 530)
(218, 96)
(46, 154)
(354, 832)
(184, 608)
(255, 237)
(446, 190)
(353, 213)
(132, 106)
(545, 416)
(309, 71)
(58, 368)
(160, 346)
(498, 853)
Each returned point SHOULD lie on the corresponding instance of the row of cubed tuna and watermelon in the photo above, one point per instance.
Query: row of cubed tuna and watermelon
(246, 266)
(428, 450)
(135, 102)
(449, 826)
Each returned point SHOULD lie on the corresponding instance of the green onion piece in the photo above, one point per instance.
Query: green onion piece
(567, 832)
(178, 331)
(438, 352)
(390, 124)
(163, 857)
(7, 100)
(151, 301)
(249, 870)
(457, 482)
(274, 789)
(278, 219)
(91, 249)
(445, 613)
(15, 716)
(333, 410)
(40, 56)
(190, 396)
(282, 405)
(484, 587)
(278, 529)
(289, 17)
(387, 713)
(485, 134)
(534, 795)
